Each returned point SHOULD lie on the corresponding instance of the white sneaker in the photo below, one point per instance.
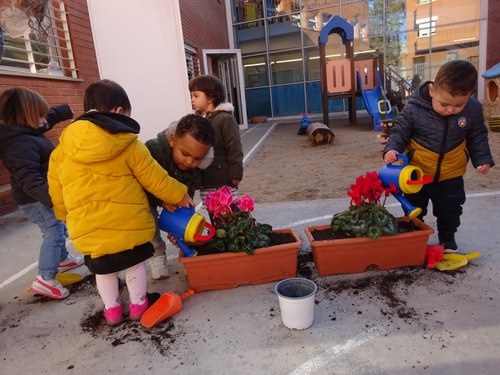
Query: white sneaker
(70, 262)
(159, 268)
(49, 288)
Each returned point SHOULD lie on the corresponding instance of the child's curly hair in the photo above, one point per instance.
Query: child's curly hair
(198, 127)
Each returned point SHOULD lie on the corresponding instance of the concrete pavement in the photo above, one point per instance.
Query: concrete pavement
(405, 321)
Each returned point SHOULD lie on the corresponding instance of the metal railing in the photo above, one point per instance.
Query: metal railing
(36, 53)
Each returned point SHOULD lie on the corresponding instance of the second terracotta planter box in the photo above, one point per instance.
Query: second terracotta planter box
(229, 270)
(355, 255)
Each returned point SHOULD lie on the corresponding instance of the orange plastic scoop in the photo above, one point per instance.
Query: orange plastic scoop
(167, 305)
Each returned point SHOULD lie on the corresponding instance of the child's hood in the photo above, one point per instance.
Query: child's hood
(226, 107)
(421, 97)
(97, 136)
(222, 107)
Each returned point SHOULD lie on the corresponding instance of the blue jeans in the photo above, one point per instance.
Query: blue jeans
(53, 250)
(158, 244)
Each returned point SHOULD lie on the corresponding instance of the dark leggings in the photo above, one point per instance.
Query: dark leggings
(447, 198)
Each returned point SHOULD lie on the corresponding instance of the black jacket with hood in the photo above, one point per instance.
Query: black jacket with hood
(440, 145)
(25, 153)
(162, 152)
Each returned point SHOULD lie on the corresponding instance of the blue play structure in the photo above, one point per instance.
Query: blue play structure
(338, 76)
(376, 102)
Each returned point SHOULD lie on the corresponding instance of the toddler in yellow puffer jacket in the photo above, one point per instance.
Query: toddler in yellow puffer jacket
(97, 176)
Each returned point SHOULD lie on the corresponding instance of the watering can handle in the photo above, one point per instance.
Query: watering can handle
(190, 292)
(401, 156)
(423, 181)
(209, 236)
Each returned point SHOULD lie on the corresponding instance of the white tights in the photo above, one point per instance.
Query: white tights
(137, 282)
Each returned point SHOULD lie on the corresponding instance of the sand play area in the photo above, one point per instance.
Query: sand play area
(289, 168)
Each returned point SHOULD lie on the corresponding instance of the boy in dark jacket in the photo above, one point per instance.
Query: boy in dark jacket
(440, 129)
(179, 150)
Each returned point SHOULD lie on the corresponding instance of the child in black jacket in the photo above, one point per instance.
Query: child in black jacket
(24, 117)
(440, 128)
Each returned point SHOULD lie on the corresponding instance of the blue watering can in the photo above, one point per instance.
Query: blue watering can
(185, 225)
(408, 179)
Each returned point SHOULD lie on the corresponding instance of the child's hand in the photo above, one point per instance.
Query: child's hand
(483, 169)
(172, 239)
(169, 207)
(186, 202)
(391, 156)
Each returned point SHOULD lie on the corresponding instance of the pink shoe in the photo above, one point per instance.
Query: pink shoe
(136, 311)
(113, 315)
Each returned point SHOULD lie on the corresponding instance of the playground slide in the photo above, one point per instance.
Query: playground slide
(376, 102)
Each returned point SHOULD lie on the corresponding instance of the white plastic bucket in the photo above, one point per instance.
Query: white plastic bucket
(296, 299)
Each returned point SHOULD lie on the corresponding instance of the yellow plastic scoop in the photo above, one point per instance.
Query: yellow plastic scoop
(453, 262)
(68, 278)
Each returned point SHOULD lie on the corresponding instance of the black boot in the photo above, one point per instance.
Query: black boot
(447, 239)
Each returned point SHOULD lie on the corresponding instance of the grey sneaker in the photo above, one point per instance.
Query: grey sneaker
(49, 288)
(159, 270)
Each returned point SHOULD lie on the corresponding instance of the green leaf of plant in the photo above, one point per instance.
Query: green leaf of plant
(374, 232)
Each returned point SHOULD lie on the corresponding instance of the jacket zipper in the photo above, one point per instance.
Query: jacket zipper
(442, 151)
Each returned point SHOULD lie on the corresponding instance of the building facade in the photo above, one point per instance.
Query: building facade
(279, 44)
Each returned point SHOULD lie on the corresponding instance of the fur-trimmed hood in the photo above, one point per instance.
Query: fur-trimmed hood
(226, 107)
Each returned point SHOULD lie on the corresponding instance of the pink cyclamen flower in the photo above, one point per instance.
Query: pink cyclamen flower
(225, 190)
(211, 204)
(224, 196)
(218, 203)
(245, 203)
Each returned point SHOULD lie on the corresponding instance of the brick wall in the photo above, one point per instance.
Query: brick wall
(58, 91)
(204, 25)
(493, 48)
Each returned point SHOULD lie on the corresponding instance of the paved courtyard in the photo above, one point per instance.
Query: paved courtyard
(404, 321)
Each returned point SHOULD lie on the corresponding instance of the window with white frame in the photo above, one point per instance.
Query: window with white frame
(39, 53)
(426, 26)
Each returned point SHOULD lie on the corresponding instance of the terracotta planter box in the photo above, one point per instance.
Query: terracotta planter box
(355, 255)
(229, 270)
